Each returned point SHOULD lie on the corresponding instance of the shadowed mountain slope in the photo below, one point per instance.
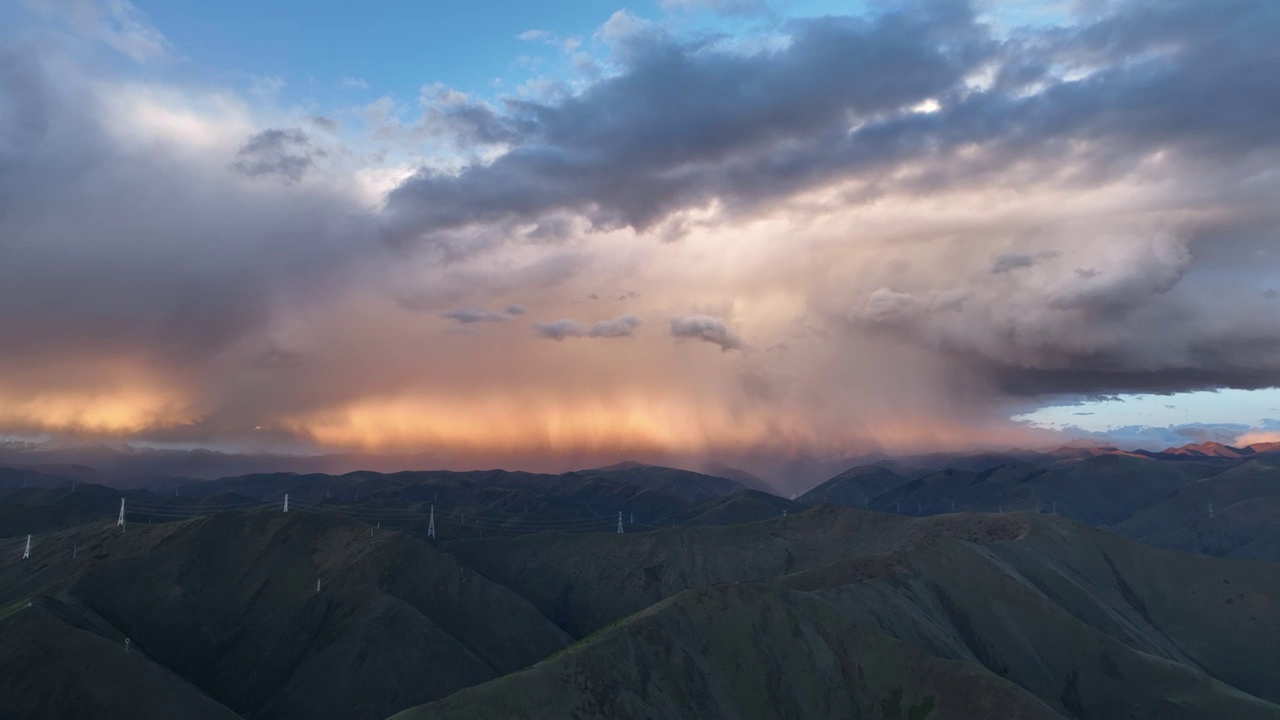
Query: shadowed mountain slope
(229, 602)
(855, 487)
(1223, 514)
(740, 651)
(56, 666)
(831, 611)
(1089, 624)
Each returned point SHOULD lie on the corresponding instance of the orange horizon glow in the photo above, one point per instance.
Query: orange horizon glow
(118, 412)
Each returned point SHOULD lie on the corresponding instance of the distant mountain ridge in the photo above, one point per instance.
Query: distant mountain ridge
(1202, 497)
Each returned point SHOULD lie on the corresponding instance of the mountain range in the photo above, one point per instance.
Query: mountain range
(1082, 583)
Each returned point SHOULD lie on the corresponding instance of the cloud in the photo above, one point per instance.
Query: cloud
(535, 36)
(622, 154)
(327, 124)
(471, 315)
(353, 83)
(285, 154)
(623, 25)
(116, 23)
(181, 267)
(1161, 437)
(516, 310)
(706, 329)
(624, 326)
(1010, 261)
(1143, 324)
(267, 87)
(970, 219)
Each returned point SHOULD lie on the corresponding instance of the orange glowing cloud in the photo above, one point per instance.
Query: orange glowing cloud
(119, 412)
(1255, 437)
(628, 423)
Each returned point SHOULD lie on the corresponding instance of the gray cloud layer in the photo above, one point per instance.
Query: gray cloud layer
(1183, 85)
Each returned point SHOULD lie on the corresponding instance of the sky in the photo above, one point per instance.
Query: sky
(553, 234)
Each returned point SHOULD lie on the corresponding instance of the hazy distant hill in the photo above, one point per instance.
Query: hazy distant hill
(855, 487)
(1162, 498)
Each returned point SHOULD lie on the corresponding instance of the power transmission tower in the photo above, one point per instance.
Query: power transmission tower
(620, 522)
(431, 525)
(120, 522)
(26, 554)
(286, 502)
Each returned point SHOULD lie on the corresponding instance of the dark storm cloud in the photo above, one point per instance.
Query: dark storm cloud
(624, 326)
(707, 329)
(688, 123)
(685, 123)
(286, 154)
(170, 257)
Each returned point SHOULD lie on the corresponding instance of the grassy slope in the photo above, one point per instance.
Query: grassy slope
(1093, 625)
(52, 668)
(229, 603)
(740, 651)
